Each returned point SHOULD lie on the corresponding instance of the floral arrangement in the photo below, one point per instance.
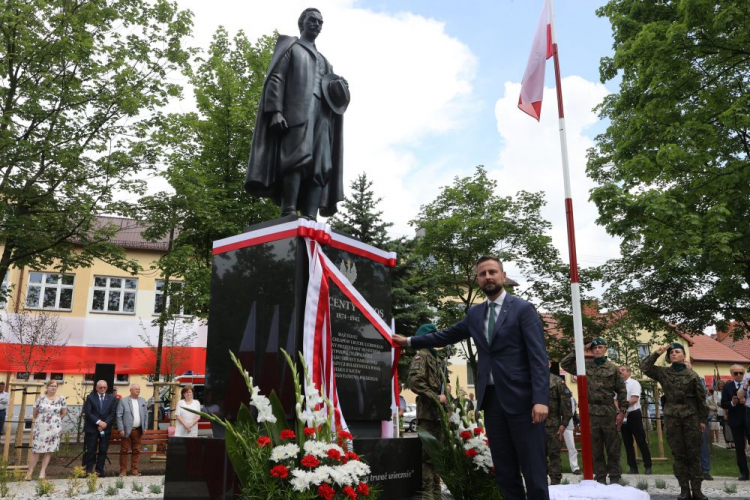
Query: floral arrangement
(310, 461)
(462, 460)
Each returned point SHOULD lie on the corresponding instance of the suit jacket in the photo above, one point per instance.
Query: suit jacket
(735, 414)
(289, 87)
(93, 413)
(517, 357)
(125, 415)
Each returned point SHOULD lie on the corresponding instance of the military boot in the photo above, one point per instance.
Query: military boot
(697, 493)
(684, 491)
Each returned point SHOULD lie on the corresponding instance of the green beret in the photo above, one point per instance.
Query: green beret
(597, 341)
(425, 329)
(675, 345)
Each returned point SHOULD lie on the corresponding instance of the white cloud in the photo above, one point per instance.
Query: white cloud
(530, 159)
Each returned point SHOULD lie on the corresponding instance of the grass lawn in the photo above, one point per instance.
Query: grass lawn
(723, 461)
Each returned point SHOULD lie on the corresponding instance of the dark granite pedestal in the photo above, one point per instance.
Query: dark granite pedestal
(258, 289)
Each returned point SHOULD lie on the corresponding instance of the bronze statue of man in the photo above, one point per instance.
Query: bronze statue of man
(297, 152)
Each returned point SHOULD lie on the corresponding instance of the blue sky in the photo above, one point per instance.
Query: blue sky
(434, 87)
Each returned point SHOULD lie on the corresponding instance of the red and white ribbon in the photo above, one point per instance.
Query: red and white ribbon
(317, 231)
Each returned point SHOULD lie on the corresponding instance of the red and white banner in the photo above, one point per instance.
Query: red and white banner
(532, 85)
(119, 339)
(317, 341)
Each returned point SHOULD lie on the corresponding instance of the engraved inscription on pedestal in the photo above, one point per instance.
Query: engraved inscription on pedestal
(362, 360)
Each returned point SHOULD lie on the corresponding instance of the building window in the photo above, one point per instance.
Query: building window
(56, 376)
(4, 290)
(50, 291)
(643, 351)
(40, 376)
(89, 377)
(22, 375)
(116, 295)
(122, 378)
(175, 293)
(469, 376)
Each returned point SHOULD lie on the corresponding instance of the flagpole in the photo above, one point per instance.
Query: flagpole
(575, 292)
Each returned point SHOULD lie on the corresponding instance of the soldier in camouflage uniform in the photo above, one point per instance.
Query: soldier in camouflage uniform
(604, 381)
(687, 411)
(560, 413)
(425, 379)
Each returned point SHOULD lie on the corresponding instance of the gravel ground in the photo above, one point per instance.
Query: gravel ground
(712, 489)
(26, 490)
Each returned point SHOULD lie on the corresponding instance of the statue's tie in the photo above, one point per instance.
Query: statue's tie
(491, 322)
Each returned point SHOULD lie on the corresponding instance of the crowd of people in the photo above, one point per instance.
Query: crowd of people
(103, 412)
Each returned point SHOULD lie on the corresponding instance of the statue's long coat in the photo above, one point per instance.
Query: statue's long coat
(297, 87)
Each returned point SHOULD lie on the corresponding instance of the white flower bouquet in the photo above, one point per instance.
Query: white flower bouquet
(310, 461)
(462, 460)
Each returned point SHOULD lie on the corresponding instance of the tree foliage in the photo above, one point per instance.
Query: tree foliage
(673, 167)
(77, 78)
(359, 216)
(467, 220)
(205, 154)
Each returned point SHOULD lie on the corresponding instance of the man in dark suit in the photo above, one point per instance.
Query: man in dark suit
(512, 380)
(99, 412)
(735, 407)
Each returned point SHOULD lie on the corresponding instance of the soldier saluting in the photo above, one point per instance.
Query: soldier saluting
(687, 411)
(604, 380)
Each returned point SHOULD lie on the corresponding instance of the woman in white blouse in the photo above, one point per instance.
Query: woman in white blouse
(187, 423)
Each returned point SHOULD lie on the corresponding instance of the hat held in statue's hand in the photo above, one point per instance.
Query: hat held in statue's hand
(336, 92)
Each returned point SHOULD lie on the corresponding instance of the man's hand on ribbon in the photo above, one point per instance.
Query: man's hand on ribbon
(399, 340)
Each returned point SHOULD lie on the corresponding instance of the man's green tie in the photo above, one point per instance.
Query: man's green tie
(491, 322)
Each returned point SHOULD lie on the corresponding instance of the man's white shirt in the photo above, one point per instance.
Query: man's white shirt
(634, 389)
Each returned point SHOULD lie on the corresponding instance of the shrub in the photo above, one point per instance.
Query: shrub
(730, 488)
(44, 488)
(92, 481)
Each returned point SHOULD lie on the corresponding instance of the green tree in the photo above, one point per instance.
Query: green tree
(673, 167)
(468, 220)
(77, 79)
(205, 154)
(359, 216)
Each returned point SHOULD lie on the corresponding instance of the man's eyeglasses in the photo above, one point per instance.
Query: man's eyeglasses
(738, 373)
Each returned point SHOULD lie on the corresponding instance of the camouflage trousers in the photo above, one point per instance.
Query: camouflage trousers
(604, 437)
(685, 438)
(430, 480)
(554, 466)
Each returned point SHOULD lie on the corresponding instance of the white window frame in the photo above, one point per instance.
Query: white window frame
(43, 286)
(159, 292)
(107, 289)
(4, 288)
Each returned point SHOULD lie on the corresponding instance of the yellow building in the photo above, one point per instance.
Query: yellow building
(104, 315)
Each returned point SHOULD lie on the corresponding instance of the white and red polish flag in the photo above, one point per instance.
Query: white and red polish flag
(532, 86)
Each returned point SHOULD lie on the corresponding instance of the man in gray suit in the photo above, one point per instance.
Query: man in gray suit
(132, 419)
